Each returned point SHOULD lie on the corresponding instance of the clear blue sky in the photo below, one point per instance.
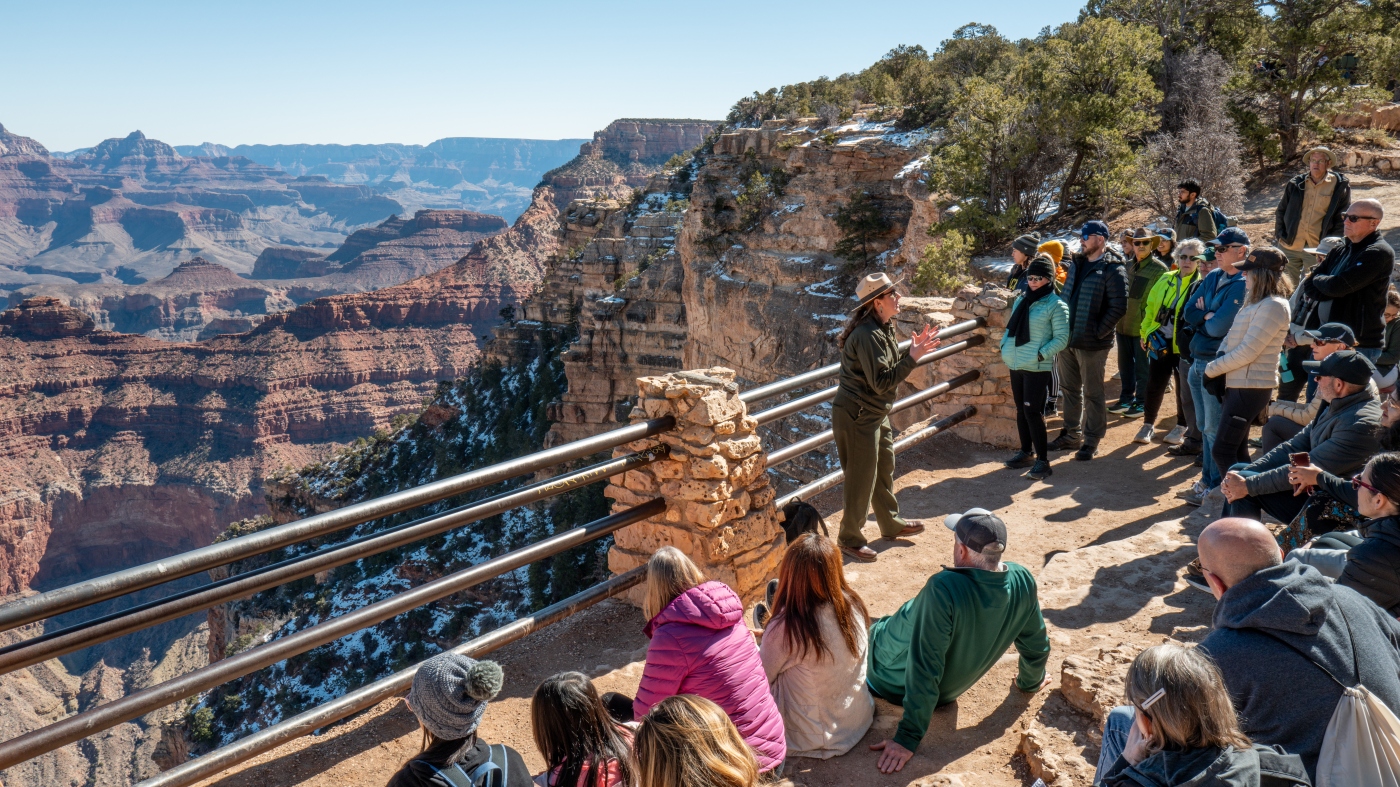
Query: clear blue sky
(352, 71)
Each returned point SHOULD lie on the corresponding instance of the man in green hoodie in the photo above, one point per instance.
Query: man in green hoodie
(945, 639)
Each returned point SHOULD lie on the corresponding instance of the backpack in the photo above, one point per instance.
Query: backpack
(1361, 747)
(1217, 215)
(799, 518)
(487, 774)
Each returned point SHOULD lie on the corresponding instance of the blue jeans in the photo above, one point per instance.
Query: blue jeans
(1208, 419)
(1115, 738)
(1372, 353)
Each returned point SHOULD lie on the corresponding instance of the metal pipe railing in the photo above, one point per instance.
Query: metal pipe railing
(81, 594)
(832, 479)
(84, 635)
(801, 447)
(46, 739)
(368, 696)
(780, 387)
(802, 403)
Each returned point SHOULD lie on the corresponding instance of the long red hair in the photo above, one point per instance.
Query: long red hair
(810, 577)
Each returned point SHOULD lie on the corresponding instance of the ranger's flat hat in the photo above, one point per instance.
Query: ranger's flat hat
(872, 287)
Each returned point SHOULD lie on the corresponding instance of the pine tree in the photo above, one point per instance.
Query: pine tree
(862, 222)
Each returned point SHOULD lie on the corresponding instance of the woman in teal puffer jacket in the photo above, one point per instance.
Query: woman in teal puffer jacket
(1037, 331)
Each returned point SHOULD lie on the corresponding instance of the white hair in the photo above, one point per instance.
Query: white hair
(1189, 248)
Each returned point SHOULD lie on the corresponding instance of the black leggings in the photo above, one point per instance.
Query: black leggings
(1237, 411)
(1159, 373)
(1031, 390)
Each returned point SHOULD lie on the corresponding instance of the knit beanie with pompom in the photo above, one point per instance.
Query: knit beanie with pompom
(450, 693)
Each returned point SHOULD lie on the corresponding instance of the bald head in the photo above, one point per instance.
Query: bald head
(1233, 549)
(1367, 207)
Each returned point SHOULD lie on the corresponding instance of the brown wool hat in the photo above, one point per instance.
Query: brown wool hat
(1143, 233)
(872, 287)
(1265, 259)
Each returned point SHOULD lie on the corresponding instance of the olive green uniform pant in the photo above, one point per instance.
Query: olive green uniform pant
(865, 445)
(1298, 261)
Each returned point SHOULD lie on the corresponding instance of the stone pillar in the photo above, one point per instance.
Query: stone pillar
(995, 422)
(719, 503)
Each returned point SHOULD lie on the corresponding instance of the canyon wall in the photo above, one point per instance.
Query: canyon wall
(623, 157)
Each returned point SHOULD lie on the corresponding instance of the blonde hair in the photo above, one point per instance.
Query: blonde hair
(669, 574)
(687, 741)
(1194, 711)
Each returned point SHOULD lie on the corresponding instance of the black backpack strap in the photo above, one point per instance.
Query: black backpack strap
(451, 776)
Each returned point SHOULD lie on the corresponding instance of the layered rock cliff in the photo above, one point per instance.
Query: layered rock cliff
(624, 156)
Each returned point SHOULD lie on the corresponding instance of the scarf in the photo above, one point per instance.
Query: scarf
(1019, 325)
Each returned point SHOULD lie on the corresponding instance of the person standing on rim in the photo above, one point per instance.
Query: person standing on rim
(1144, 268)
(1097, 294)
(1194, 216)
(1311, 209)
(872, 367)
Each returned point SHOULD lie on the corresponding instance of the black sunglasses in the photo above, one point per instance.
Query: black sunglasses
(1142, 243)
(1353, 217)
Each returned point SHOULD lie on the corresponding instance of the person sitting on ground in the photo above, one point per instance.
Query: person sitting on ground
(1286, 418)
(872, 367)
(942, 641)
(1036, 332)
(1097, 294)
(814, 652)
(449, 696)
(1180, 728)
(1144, 268)
(1366, 560)
(1023, 249)
(700, 645)
(687, 741)
(1159, 332)
(1339, 440)
(1268, 614)
(1292, 379)
(581, 744)
(1390, 348)
(1349, 286)
(1248, 358)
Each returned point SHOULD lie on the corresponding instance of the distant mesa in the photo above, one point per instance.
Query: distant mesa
(45, 318)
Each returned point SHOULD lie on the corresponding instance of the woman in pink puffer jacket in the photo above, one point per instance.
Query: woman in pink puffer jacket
(700, 645)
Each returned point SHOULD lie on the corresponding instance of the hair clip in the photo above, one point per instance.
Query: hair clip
(1150, 701)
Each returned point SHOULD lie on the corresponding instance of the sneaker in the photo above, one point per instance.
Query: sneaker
(1052, 409)
(1176, 436)
(1185, 449)
(1065, 443)
(1040, 471)
(1085, 453)
(1145, 434)
(760, 615)
(1199, 461)
(1195, 576)
(1196, 494)
(770, 591)
(1135, 411)
(1120, 405)
(1255, 442)
(1021, 459)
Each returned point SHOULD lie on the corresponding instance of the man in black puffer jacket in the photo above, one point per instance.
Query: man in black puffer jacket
(1349, 285)
(1097, 294)
(1269, 614)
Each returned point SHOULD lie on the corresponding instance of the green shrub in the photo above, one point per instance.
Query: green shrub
(944, 268)
(201, 726)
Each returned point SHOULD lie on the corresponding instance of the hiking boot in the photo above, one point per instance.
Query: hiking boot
(1135, 411)
(1145, 434)
(911, 529)
(1021, 459)
(1255, 442)
(1195, 576)
(1066, 443)
(1176, 436)
(1085, 453)
(1185, 449)
(761, 611)
(1120, 405)
(1040, 471)
(861, 555)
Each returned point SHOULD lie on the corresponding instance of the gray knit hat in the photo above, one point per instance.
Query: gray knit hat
(1027, 244)
(450, 692)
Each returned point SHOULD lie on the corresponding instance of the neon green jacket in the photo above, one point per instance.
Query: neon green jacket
(1171, 290)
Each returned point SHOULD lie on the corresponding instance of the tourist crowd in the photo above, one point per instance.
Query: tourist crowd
(1306, 609)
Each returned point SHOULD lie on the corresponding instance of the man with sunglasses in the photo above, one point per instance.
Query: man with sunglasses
(1311, 209)
(1339, 440)
(1349, 285)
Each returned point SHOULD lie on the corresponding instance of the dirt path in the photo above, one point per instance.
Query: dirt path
(1106, 539)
